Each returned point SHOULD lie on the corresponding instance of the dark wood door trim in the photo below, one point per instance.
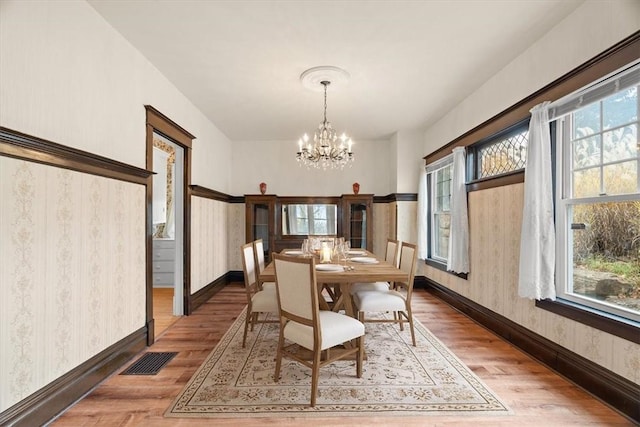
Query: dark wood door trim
(159, 123)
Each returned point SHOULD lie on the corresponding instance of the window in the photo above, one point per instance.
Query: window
(439, 194)
(598, 196)
(500, 154)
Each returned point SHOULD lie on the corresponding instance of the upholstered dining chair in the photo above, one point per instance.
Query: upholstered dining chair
(302, 322)
(391, 256)
(258, 249)
(258, 301)
(397, 300)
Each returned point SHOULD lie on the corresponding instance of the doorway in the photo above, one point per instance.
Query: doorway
(167, 255)
(168, 232)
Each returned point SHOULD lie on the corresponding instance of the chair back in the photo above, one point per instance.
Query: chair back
(249, 268)
(408, 256)
(296, 288)
(258, 248)
(391, 255)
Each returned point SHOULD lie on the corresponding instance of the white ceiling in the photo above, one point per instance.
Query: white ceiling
(410, 62)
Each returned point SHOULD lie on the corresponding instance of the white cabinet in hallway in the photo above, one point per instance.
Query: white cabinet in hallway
(164, 253)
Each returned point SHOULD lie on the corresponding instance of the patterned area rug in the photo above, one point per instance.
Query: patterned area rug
(397, 379)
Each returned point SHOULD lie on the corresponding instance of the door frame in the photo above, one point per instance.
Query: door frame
(156, 122)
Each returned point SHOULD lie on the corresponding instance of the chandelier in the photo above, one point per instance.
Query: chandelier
(328, 151)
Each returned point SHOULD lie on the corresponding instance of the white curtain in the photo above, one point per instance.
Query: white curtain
(538, 241)
(423, 212)
(458, 259)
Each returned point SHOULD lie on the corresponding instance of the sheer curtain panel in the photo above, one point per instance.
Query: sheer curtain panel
(423, 214)
(537, 240)
(458, 259)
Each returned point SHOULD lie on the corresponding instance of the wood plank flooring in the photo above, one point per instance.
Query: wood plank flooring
(536, 395)
(163, 310)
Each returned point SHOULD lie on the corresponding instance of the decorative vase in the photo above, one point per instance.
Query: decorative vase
(356, 188)
(263, 188)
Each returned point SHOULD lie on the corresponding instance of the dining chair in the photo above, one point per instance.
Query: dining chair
(397, 300)
(258, 301)
(302, 324)
(258, 250)
(391, 256)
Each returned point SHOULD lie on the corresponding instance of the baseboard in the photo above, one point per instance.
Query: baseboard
(46, 403)
(203, 295)
(608, 386)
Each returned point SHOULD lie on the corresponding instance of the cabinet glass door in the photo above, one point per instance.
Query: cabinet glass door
(261, 225)
(358, 225)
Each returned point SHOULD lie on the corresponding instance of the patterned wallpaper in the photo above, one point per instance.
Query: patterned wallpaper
(209, 241)
(72, 271)
(495, 217)
(236, 232)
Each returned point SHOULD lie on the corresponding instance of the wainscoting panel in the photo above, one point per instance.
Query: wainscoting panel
(406, 221)
(380, 227)
(208, 241)
(495, 217)
(72, 271)
(236, 222)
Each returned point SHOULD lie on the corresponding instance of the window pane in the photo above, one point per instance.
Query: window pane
(586, 183)
(620, 108)
(621, 178)
(586, 152)
(441, 242)
(605, 246)
(505, 155)
(586, 121)
(620, 143)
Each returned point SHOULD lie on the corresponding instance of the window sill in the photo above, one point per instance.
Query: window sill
(443, 267)
(614, 325)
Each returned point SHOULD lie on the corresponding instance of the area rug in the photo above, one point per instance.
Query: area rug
(397, 379)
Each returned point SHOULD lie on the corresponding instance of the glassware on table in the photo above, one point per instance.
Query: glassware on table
(306, 248)
(347, 248)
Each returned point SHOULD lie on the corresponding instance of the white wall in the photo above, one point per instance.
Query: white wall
(274, 163)
(495, 214)
(590, 29)
(409, 160)
(69, 77)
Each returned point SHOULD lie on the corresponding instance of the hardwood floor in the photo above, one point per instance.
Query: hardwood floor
(163, 310)
(536, 395)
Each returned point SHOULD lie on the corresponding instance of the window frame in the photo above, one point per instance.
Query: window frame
(432, 169)
(473, 152)
(601, 315)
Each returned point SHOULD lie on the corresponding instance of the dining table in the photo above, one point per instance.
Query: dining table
(360, 266)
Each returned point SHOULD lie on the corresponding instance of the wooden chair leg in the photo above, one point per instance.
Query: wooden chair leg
(276, 375)
(246, 328)
(315, 374)
(360, 356)
(413, 334)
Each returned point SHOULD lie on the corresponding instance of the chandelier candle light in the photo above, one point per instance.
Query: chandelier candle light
(328, 150)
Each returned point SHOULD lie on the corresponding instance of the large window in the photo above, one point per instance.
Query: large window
(439, 188)
(598, 196)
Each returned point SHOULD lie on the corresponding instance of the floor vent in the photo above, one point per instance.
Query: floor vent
(149, 364)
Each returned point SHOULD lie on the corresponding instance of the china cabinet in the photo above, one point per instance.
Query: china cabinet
(260, 220)
(284, 222)
(357, 224)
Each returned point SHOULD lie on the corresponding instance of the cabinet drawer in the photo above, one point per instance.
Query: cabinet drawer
(163, 266)
(163, 244)
(163, 279)
(163, 254)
